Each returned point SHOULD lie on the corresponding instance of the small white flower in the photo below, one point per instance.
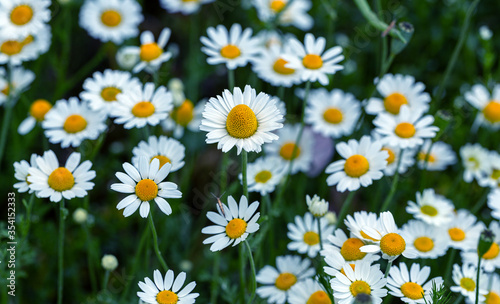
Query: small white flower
(25, 48)
(304, 234)
(428, 241)
(492, 177)
(80, 216)
(431, 208)
(37, 112)
(494, 203)
(475, 160)
(20, 18)
(270, 67)
(349, 249)
(464, 230)
(21, 174)
(184, 116)
(487, 104)
(485, 33)
(166, 150)
(308, 291)
(317, 206)
(21, 79)
(151, 53)
(491, 259)
(185, 7)
(167, 290)
(465, 279)
(358, 221)
(109, 262)
(291, 13)
(440, 156)
(127, 57)
(264, 174)
(331, 217)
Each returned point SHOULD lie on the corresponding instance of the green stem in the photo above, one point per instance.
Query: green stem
(394, 184)
(459, 299)
(242, 273)
(345, 208)
(223, 176)
(388, 269)
(281, 93)
(477, 277)
(60, 253)
(244, 160)
(372, 18)
(230, 78)
(29, 207)
(135, 264)
(449, 265)
(155, 241)
(90, 264)
(214, 286)
(319, 234)
(9, 106)
(480, 203)
(254, 277)
(105, 280)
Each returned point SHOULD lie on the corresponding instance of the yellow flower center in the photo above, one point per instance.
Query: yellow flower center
(312, 61)
(277, 5)
(143, 109)
(456, 234)
(495, 174)
(286, 151)
(166, 297)
(474, 161)
(430, 158)
(492, 111)
(492, 298)
(39, 108)
(366, 236)
(111, 18)
(412, 290)
(21, 14)
(241, 122)
(350, 249)
(405, 130)
(428, 210)
(150, 51)
(358, 287)
(61, 179)
(492, 252)
(311, 238)
(263, 176)
(285, 280)
(74, 123)
(109, 93)
(393, 102)
(392, 156)
(235, 228)
(279, 67)
(146, 190)
(163, 159)
(333, 116)
(423, 244)
(467, 284)
(392, 244)
(319, 297)
(183, 114)
(356, 165)
(11, 47)
(230, 51)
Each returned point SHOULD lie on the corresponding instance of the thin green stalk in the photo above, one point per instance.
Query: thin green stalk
(242, 273)
(345, 208)
(223, 176)
(9, 106)
(252, 266)
(214, 285)
(155, 241)
(480, 203)
(90, 254)
(281, 93)
(135, 264)
(60, 253)
(372, 18)
(244, 161)
(394, 184)
(319, 234)
(477, 277)
(29, 207)
(459, 299)
(230, 79)
(388, 269)
(449, 265)
(146, 131)
(105, 280)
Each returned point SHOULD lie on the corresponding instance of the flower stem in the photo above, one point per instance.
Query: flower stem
(242, 273)
(394, 184)
(477, 277)
(319, 233)
(252, 266)
(372, 18)
(214, 285)
(105, 280)
(9, 106)
(155, 241)
(135, 264)
(451, 258)
(388, 269)
(345, 207)
(93, 281)
(60, 253)
(230, 79)
(244, 160)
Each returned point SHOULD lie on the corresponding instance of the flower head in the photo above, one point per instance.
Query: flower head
(167, 290)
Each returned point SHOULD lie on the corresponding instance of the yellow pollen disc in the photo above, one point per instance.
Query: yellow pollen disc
(61, 179)
(319, 297)
(350, 249)
(5, 91)
(75, 123)
(230, 51)
(456, 234)
(312, 61)
(356, 165)
(109, 93)
(167, 297)
(392, 244)
(430, 158)
(39, 108)
(492, 111)
(143, 109)
(393, 102)
(235, 228)
(146, 190)
(279, 67)
(333, 116)
(263, 176)
(241, 122)
(163, 159)
(150, 51)
(423, 244)
(183, 114)
(286, 151)
(495, 174)
(468, 284)
(405, 130)
(285, 280)
(111, 18)
(391, 157)
(358, 287)
(366, 236)
(311, 238)
(277, 5)
(412, 290)
(343, 272)
(11, 47)
(21, 14)
(428, 210)
(492, 252)
(492, 298)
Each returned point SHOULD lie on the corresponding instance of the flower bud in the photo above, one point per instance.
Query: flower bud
(109, 262)
(317, 206)
(80, 216)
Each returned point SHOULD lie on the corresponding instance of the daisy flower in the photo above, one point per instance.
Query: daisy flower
(290, 270)
(234, 48)
(21, 79)
(364, 278)
(428, 241)
(311, 60)
(464, 230)
(285, 147)
(142, 106)
(144, 183)
(336, 262)
(317, 206)
(184, 116)
(398, 90)
(363, 162)
(185, 7)
(166, 150)
(431, 208)
(37, 112)
(491, 259)
(111, 20)
(21, 174)
(487, 104)
(20, 18)
(308, 291)
(494, 203)
(16, 51)
(101, 90)
(270, 67)
(233, 223)
(360, 219)
(291, 13)
(492, 177)
(408, 158)
(349, 248)
(440, 156)
(264, 174)
(411, 285)
(242, 119)
(332, 113)
(493, 295)
(304, 234)
(167, 290)
(475, 160)
(49, 179)
(151, 53)
(70, 122)
(465, 279)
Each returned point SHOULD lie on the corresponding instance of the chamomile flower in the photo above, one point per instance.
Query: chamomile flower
(431, 208)
(111, 20)
(464, 230)
(398, 90)
(363, 162)
(349, 248)
(185, 7)
(242, 119)
(235, 47)
(411, 286)
(26, 48)
(308, 291)
(166, 150)
(493, 295)
(475, 160)
(336, 262)
(360, 219)
(151, 53)
(494, 203)
(167, 290)
(49, 179)
(440, 156)
(270, 67)
(291, 13)
(487, 104)
(333, 113)
(492, 177)
(233, 223)
(184, 116)
(317, 206)
(21, 174)
(142, 106)
(407, 158)
(304, 234)
(311, 60)
(465, 282)
(290, 270)
(264, 174)
(37, 112)
(21, 80)
(491, 259)
(428, 241)
(20, 18)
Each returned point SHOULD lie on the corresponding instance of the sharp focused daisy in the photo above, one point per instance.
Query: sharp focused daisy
(428, 241)
(235, 47)
(49, 179)
(308, 291)
(336, 262)
(37, 112)
(270, 67)
(21, 174)
(233, 224)
(398, 90)
(431, 208)
(491, 259)
(166, 150)
(185, 7)
(475, 160)
(304, 234)
(349, 248)
(494, 203)
(487, 104)
(184, 116)
(167, 290)
(440, 156)
(142, 106)
(292, 13)
(20, 81)
(70, 122)
(145, 183)
(151, 54)
(276, 282)
(20, 18)
(242, 119)
(465, 282)
(363, 162)
(464, 230)
(264, 174)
